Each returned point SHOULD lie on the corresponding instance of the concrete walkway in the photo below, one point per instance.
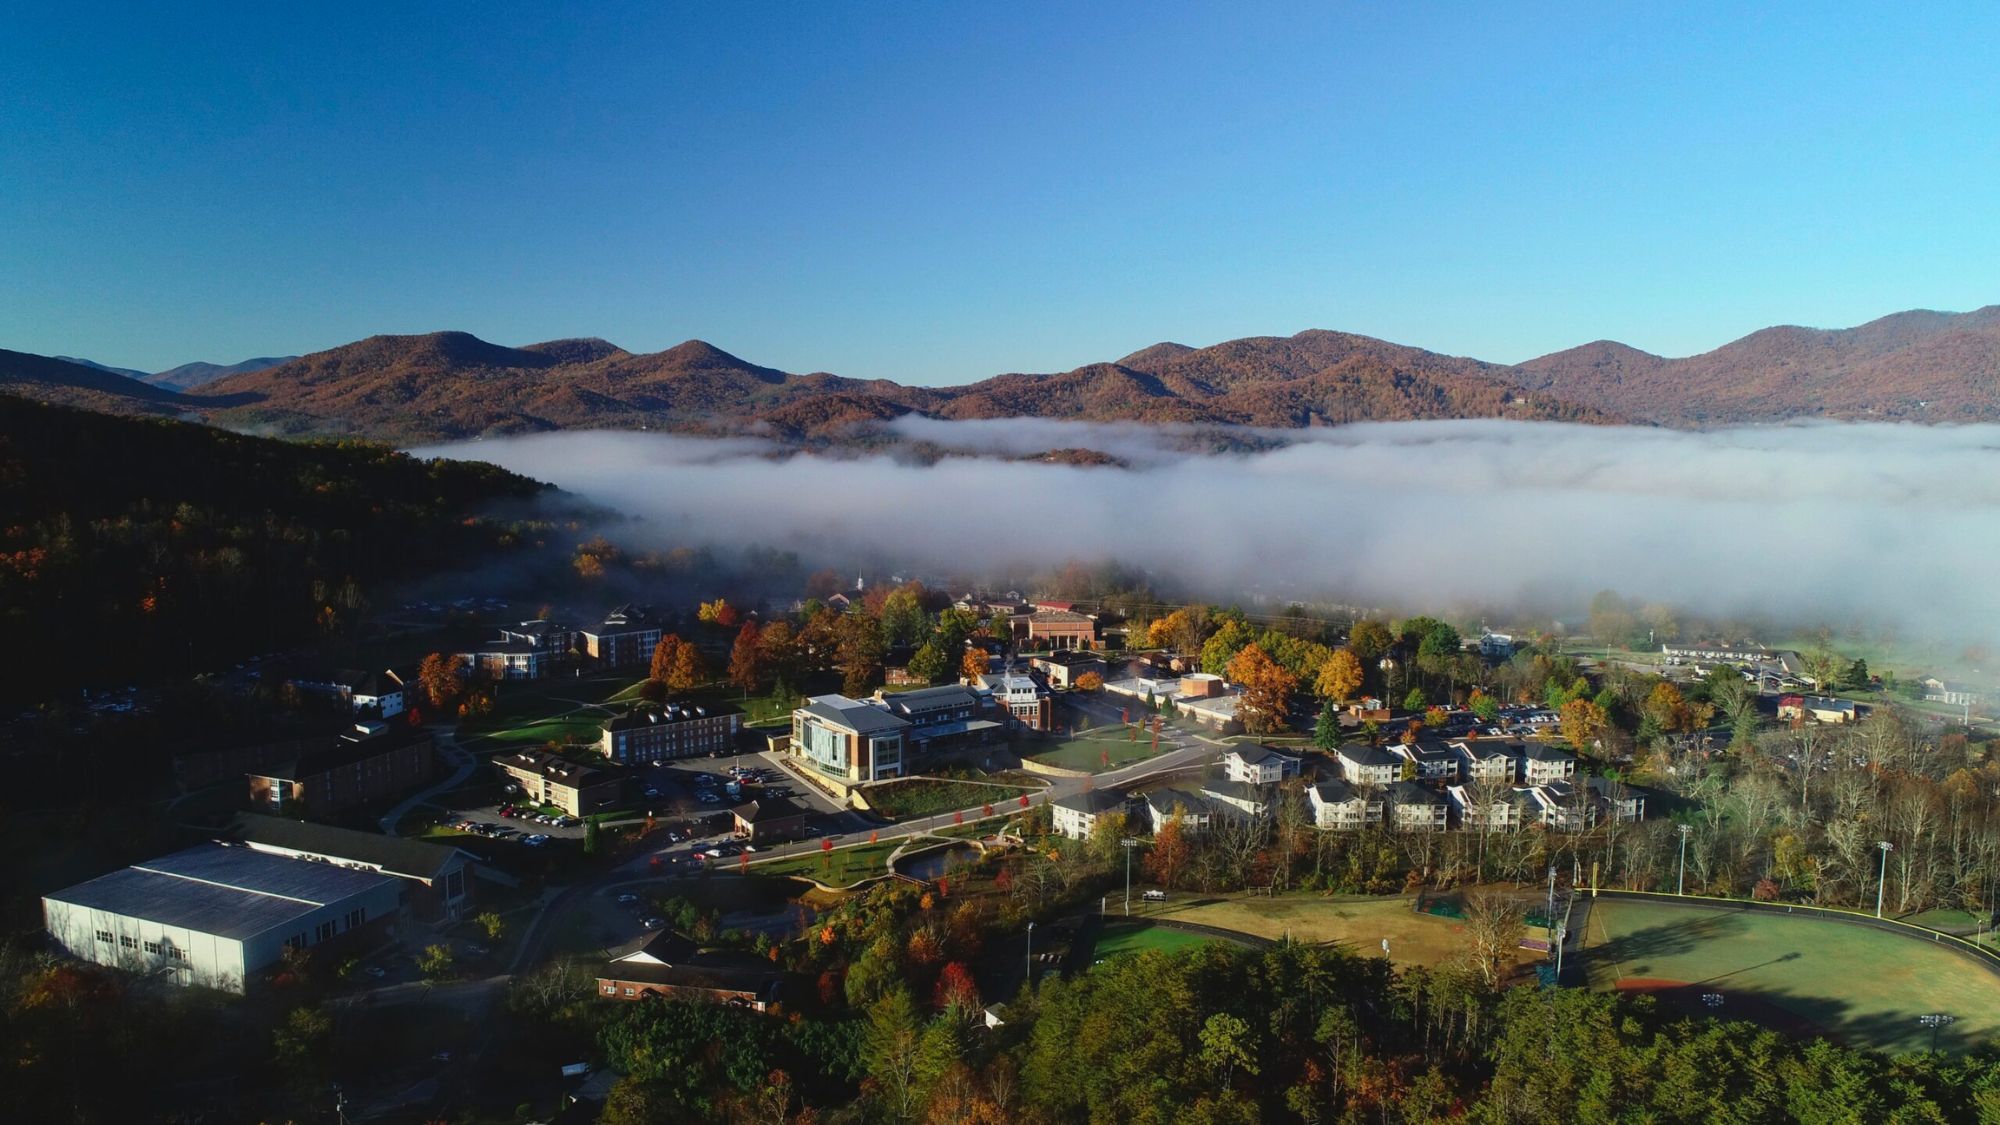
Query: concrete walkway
(463, 763)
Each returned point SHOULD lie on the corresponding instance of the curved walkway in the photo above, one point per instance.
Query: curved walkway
(463, 763)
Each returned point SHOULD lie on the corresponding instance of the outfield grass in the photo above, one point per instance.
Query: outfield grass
(1360, 921)
(1087, 752)
(1137, 937)
(1863, 985)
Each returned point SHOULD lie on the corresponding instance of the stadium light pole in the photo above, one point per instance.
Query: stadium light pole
(1031, 957)
(1882, 883)
(1128, 843)
(1684, 860)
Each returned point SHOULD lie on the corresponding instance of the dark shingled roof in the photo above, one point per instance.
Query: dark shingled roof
(395, 854)
(768, 809)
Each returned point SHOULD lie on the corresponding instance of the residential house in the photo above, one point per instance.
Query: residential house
(1491, 761)
(1617, 802)
(1240, 800)
(1195, 811)
(1417, 809)
(1542, 763)
(667, 967)
(1258, 765)
(1337, 805)
(437, 880)
(665, 731)
(219, 916)
(1497, 646)
(770, 818)
(1368, 765)
(848, 740)
(1818, 708)
(1490, 809)
(1078, 814)
(1954, 694)
(371, 763)
(627, 637)
(1561, 806)
(368, 694)
(551, 779)
(1064, 668)
(1433, 762)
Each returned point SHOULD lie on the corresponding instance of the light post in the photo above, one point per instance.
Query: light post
(1128, 843)
(1882, 883)
(1550, 917)
(1684, 860)
(1934, 1020)
(1031, 957)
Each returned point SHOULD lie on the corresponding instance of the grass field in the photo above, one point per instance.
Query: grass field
(1360, 921)
(920, 797)
(1087, 752)
(838, 868)
(1862, 985)
(1136, 937)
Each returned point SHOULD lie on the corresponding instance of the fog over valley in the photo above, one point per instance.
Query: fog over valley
(1889, 524)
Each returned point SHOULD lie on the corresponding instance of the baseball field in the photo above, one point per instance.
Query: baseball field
(1802, 973)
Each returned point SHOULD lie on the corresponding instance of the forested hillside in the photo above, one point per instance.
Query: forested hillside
(135, 547)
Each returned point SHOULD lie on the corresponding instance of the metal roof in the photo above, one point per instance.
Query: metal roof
(853, 715)
(231, 892)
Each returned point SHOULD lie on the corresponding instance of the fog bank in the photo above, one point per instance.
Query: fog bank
(1814, 522)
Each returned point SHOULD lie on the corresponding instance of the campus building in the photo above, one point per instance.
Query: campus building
(627, 637)
(849, 740)
(666, 731)
(551, 779)
(436, 880)
(219, 916)
(368, 764)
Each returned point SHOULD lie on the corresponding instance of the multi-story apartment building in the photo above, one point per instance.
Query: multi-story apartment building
(627, 637)
(1020, 697)
(551, 779)
(666, 731)
(1417, 809)
(1079, 814)
(1337, 805)
(372, 762)
(1258, 765)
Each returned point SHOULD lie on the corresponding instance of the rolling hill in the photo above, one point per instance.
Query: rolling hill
(1920, 366)
(1916, 366)
(188, 376)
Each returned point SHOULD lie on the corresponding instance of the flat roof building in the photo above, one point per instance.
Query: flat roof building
(217, 915)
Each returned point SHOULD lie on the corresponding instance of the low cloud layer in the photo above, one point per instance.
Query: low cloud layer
(1813, 523)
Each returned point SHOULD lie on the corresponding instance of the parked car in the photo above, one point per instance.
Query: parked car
(1156, 896)
(652, 922)
(627, 899)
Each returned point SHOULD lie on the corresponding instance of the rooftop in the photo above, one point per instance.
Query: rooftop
(1366, 755)
(394, 854)
(1071, 659)
(317, 756)
(1095, 801)
(928, 699)
(555, 768)
(1252, 755)
(231, 892)
(670, 713)
(853, 715)
(767, 809)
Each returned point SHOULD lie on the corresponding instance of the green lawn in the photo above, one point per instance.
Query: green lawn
(839, 868)
(1137, 937)
(1863, 985)
(921, 797)
(1088, 752)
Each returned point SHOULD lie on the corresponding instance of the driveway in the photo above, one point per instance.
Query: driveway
(462, 764)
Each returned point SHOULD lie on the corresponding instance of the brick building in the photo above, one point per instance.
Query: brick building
(551, 779)
(627, 637)
(370, 763)
(1060, 629)
(667, 731)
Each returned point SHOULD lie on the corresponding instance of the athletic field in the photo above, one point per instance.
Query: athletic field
(1798, 973)
(1360, 922)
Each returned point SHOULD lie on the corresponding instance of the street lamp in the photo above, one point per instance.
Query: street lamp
(1031, 956)
(1934, 1020)
(1128, 843)
(1882, 884)
(1712, 999)
(1684, 860)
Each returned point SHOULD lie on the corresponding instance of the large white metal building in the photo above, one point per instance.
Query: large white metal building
(216, 915)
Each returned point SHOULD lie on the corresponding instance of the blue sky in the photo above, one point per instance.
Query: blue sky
(935, 193)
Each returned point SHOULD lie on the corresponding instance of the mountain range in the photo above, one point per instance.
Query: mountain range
(187, 376)
(1913, 366)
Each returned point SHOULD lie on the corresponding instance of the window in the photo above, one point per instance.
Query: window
(611, 990)
(127, 943)
(630, 991)
(324, 930)
(104, 936)
(153, 947)
(454, 884)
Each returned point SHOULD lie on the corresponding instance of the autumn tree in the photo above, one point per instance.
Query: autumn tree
(441, 678)
(690, 669)
(858, 648)
(973, 664)
(1583, 723)
(1267, 690)
(664, 655)
(1370, 641)
(746, 659)
(1339, 677)
(1495, 923)
(928, 663)
(778, 650)
(1167, 860)
(1089, 681)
